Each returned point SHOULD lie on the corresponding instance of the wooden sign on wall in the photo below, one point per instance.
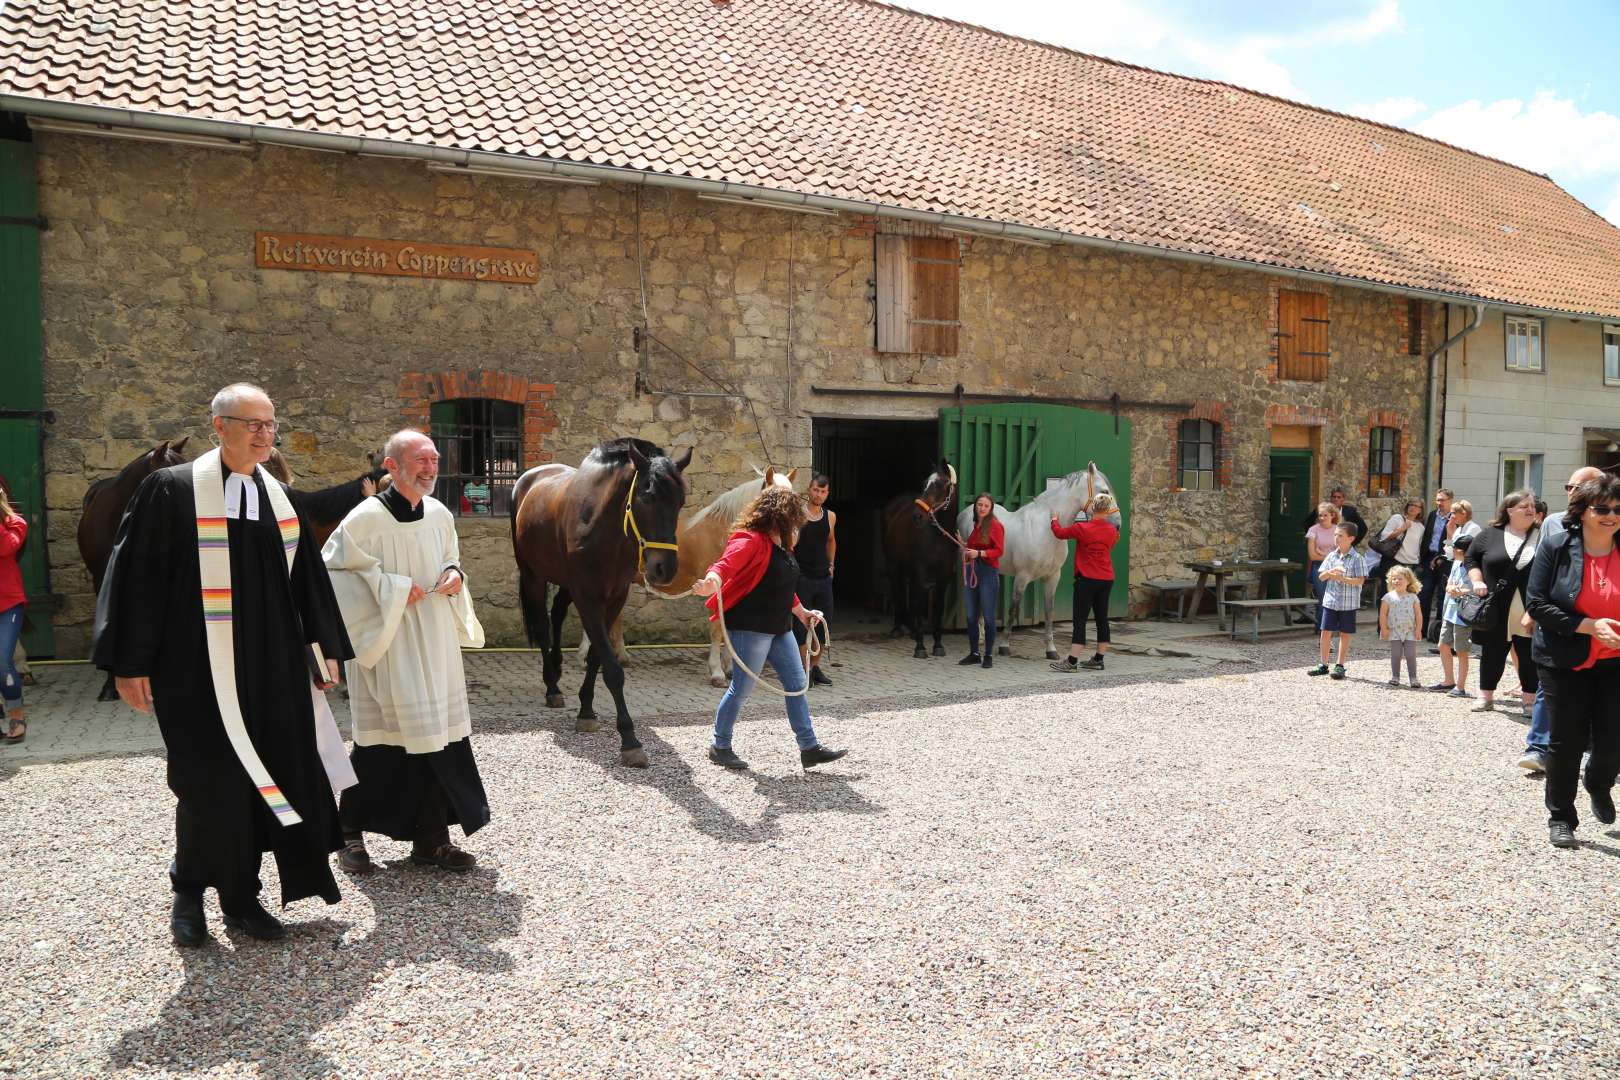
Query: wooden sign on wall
(398, 258)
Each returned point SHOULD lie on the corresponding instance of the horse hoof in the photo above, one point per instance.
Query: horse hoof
(920, 653)
(554, 701)
(1051, 654)
(718, 683)
(939, 650)
(586, 723)
(1002, 650)
(633, 759)
(107, 695)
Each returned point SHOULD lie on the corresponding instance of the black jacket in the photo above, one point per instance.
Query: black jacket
(1425, 557)
(1346, 513)
(1555, 582)
(1487, 553)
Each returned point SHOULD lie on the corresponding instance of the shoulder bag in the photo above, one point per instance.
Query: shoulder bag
(1480, 612)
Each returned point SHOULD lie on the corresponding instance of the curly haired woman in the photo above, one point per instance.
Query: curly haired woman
(757, 577)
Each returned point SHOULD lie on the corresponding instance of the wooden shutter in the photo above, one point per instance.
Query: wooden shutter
(1302, 336)
(918, 295)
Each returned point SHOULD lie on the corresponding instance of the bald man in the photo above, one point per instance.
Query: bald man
(1534, 759)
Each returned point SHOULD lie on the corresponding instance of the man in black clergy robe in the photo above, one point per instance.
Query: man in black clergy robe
(151, 635)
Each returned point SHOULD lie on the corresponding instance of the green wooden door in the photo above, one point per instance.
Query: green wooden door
(1013, 450)
(22, 384)
(1290, 499)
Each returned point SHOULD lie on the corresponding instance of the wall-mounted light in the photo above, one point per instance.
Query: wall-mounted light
(508, 174)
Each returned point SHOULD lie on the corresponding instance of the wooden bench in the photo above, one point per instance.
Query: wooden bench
(1173, 596)
(1255, 608)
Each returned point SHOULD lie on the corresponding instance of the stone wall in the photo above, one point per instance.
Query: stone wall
(152, 301)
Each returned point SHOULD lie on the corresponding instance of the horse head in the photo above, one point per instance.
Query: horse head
(771, 478)
(1097, 483)
(167, 453)
(653, 507)
(939, 490)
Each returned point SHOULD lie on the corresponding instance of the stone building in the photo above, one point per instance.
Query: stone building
(1243, 300)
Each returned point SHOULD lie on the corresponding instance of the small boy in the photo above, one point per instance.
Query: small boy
(1454, 632)
(1342, 574)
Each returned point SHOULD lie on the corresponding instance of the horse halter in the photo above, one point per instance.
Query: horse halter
(950, 493)
(632, 529)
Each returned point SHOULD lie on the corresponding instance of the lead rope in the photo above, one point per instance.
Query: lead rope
(815, 645)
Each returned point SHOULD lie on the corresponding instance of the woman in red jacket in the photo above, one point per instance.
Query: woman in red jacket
(1094, 532)
(981, 578)
(757, 577)
(13, 531)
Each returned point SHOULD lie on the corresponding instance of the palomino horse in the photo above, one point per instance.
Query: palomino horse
(702, 538)
(923, 555)
(104, 503)
(590, 530)
(1032, 553)
(325, 509)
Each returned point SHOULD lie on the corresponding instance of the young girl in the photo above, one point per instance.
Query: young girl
(1400, 622)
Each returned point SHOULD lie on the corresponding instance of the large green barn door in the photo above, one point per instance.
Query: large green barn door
(22, 384)
(1013, 451)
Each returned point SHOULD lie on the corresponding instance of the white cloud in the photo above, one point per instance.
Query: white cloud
(1613, 211)
(1397, 111)
(1549, 134)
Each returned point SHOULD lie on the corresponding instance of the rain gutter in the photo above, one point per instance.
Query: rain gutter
(763, 196)
(1429, 478)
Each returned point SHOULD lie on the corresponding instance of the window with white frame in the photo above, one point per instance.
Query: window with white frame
(1519, 472)
(1611, 356)
(1524, 343)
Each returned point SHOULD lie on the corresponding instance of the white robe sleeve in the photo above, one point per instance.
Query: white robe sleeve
(372, 601)
(469, 631)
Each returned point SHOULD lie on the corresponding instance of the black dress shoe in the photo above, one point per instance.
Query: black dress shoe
(257, 923)
(187, 922)
(969, 660)
(819, 755)
(818, 679)
(1561, 835)
(987, 661)
(1603, 806)
(726, 758)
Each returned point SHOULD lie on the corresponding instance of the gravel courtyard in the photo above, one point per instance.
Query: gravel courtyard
(1237, 871)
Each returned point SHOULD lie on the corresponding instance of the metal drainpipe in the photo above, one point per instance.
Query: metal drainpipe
(1430, 480)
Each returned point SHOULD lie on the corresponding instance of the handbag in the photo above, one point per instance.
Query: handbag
(1387, 546)
(1479, 612)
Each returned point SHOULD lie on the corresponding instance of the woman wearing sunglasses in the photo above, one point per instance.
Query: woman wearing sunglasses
(1574, 598)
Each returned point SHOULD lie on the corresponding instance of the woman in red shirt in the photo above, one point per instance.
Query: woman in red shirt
(981, 578)
(1094, 532)
(758, 578)
(1574, 597)
(13, 531)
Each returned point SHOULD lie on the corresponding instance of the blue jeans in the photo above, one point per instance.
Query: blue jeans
(755, 649)
(1316, 586)
(11, 621)
(981, 600)
(1540, 735)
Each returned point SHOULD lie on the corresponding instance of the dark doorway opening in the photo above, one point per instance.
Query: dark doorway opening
(868, 462)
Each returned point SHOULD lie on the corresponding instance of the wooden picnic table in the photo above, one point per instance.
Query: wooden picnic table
(1225, 568)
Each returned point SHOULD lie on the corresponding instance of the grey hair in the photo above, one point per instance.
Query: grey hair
(228, 400)
(399, 440)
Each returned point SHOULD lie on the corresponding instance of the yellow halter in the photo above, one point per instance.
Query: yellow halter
(632, 529)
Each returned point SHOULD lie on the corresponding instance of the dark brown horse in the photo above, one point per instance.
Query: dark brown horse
(325, 509)
(922, 556)
(103, 508)
(588, 530)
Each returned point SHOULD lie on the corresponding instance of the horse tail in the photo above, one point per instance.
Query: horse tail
(535, 623)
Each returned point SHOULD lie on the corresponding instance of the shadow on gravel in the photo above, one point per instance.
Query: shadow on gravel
(671, 776)
(265, 1004)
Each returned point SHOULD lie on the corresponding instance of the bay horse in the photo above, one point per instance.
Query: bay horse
(589, 531)
(923, 555)
(103, 509)
(702, 538)
(325, 509)
(1032, 553)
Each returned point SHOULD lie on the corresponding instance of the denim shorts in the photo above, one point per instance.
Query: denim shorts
(1335, 621)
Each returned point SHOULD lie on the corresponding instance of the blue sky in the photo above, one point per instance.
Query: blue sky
(1535, 85)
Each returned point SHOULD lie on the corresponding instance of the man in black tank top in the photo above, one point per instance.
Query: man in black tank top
(816, 553)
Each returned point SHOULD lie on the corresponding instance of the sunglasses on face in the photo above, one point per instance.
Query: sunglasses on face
(1605, 511)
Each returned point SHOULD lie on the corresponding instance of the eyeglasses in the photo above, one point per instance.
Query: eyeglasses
(255, 426)
(1605, 511)
(1569, 487)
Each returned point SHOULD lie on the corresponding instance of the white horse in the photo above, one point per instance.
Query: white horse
(1032, 553)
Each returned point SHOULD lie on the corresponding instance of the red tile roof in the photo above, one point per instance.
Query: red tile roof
(850, 99)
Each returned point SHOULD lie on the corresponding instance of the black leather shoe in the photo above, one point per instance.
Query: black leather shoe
(187, 922)
(726, 758)
(969, 660)
(819, 755)
(1603, 806)
(987, 662)
(1561, 835)
(819, 679)
(257, 923)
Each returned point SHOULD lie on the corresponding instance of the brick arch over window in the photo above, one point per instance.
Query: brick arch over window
(1215, 413)
(418, 391)
(1387, 418)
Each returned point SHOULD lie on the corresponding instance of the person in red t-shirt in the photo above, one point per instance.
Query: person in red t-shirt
(1094, 532)
(13, 602)
(981, 578)
(1574, 597)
